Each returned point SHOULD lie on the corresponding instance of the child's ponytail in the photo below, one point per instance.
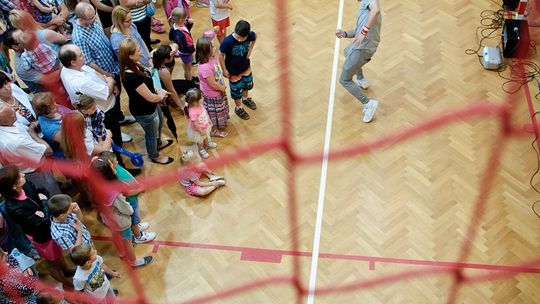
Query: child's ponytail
(192, 96)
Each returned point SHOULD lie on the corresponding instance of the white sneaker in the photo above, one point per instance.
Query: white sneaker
(126, 138)
(143, 226)
(211, 145)
(363, 83)
(369, 110)
(145, 237)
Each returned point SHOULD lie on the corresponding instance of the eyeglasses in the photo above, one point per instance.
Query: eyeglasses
(127, 21)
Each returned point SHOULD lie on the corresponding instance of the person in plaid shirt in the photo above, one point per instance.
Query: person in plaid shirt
(95, 118)
(89, 36)
(37, 55)
(67, 228)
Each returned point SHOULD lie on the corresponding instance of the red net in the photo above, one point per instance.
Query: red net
(501, 112)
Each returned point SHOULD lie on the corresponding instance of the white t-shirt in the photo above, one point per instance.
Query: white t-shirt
(87, 82)
(218, 14)
(16, 142)
(93, 281)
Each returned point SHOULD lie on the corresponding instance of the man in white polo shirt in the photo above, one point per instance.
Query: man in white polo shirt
(20, 146)
(80, 79)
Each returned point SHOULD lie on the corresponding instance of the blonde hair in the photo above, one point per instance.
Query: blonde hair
(119, 14)
(187, 157)
(22, 20)
(178, 14)
(85, 102)
(42, 103)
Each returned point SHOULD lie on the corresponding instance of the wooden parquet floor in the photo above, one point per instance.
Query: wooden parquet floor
(412, 201)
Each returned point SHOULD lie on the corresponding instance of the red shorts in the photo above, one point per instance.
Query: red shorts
(223, 24)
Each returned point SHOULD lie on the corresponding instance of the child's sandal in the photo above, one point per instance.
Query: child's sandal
(218, 133)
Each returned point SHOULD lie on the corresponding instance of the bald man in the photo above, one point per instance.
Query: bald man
(18, 141)
(79, 78)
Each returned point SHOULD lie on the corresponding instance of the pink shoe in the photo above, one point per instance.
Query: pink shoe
(156, 21)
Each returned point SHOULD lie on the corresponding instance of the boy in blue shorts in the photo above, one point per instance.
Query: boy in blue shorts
(234, 60)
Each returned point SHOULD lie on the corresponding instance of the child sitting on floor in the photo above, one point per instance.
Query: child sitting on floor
(190, 177)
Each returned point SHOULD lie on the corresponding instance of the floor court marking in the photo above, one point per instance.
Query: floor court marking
(262, 255)
(324, 167)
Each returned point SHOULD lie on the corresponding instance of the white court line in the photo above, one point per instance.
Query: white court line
(324, 168)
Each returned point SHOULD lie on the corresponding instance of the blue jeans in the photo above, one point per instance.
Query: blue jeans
(151, 125)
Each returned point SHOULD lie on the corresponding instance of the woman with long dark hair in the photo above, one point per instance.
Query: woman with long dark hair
(24, 205)
(143, 100)
(163, 59)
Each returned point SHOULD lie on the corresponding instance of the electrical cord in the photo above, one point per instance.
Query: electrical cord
(490, 22)
(537, 161)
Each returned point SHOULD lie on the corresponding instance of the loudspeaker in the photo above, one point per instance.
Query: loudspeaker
(510, 5)
(515, 38)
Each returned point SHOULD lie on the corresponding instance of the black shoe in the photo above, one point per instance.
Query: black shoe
(134, 171)
(155, 41)
(168, 161)
(127, 120)
(249, 103)
(241, 113)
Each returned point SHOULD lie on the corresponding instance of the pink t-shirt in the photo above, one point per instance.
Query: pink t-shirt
(199, 116)
(210, 69)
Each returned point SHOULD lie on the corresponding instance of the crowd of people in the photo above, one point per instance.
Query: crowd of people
(63, 67)
(60, 99)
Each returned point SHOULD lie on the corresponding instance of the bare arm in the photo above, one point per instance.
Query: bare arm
(77, 210)
(219, 4)
(145, 92)
(374, 12)
(165, 76)
(252, 45)
(215, 85)
(99, 70)
(222, 64)
(110, 271)
(102, 7)
(41, 7)
(103, 145)
(55, 37)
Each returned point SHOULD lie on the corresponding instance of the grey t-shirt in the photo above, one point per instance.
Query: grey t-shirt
(374, 36)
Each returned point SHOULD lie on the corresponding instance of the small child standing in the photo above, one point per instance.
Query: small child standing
(219, 13)
(95, 118)
(90, 273)
(234, 59)
(169, 5)
(212, 86)
(190, 178)
(120, 216)
(137, 226)
(180, 34)
(198, 129)
(67, 228)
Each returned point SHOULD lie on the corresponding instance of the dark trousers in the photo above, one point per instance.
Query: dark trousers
(111, 123)
(144, 29)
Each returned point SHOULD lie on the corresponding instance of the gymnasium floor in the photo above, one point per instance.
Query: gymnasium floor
(402, 207)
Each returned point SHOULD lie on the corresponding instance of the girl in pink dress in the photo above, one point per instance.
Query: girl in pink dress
(198, 129)
(213, 86)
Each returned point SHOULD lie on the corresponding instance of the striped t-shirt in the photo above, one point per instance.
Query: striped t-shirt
(138, 13)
